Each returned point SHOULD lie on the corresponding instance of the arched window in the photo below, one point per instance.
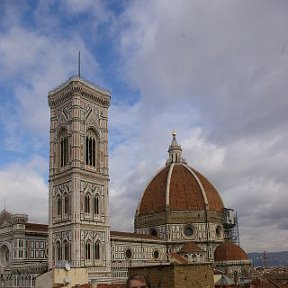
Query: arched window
(66, 203)
(194, 258)
(87, 204)
(97, 251)
(96, 205)
(59, 205)
(63, 151)
(156, 254)
(90, 151)
(153, 232)
(88, 251)
(91, 148)
(66, 255)
(219, 231)
(58, 251)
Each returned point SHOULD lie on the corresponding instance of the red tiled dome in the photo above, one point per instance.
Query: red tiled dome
(178, 187)
(229, 251)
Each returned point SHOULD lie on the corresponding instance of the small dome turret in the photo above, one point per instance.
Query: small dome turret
(229, 251)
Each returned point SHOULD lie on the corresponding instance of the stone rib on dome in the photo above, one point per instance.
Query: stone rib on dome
(229, 251)
(153, 199)
(213, 197)
(185, 192)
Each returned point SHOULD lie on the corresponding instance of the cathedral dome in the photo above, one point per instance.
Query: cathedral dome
(178, 187)
(229, 251)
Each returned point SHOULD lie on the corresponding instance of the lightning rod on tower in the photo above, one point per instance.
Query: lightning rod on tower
(79, 64)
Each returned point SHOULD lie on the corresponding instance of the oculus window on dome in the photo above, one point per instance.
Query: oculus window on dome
(189, 231)
(156, 254)
(128, 253)
(153, 232)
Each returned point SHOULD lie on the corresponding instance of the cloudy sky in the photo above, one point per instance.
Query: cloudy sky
(215, 71)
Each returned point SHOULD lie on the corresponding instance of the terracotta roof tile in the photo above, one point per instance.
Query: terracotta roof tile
(176, 258)
(36, 227)
(190, 247)
(185, 193)
(213, 197)
(229, 251)
(153, 200)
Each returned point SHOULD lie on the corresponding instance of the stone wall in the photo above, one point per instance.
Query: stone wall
(177, 276)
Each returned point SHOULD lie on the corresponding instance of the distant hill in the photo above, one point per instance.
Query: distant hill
(276, 259)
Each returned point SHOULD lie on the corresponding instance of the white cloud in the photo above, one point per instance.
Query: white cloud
(214, 72)
(24, 190)
(226, 80)
(39, 64)
(206, 55)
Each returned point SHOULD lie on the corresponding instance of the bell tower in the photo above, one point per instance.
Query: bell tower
(79, 231)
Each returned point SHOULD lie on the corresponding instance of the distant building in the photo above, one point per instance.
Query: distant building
(233, 261)
(198, 275)
(180, 217)
(23, 250)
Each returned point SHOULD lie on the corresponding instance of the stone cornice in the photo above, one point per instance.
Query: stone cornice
(233, 262)
(77, 85)
(63, 176)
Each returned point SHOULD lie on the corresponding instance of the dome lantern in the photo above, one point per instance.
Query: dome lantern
(175, 151)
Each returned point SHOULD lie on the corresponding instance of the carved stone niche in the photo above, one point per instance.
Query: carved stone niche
(5, 255)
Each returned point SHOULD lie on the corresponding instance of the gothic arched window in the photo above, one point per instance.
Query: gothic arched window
(96, 204)
(88, 250)
(58, 251)
(63, 151)
(87, 204)
(66, 203)
(97, 251)
(59, 205)
(194, 258)
(91, 148)
(66, 255)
